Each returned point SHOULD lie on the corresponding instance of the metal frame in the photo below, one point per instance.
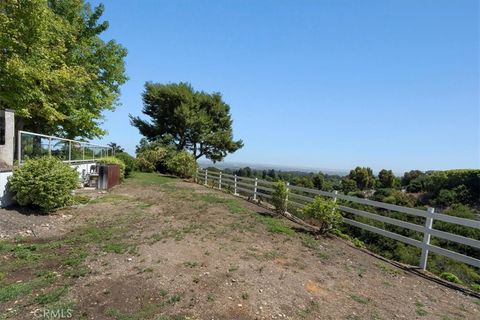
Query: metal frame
(70, 141)
(252, 187)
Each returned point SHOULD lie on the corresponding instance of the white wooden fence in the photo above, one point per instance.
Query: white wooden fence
(299, 196)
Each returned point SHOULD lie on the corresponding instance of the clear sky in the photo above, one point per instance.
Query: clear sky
(326, 84)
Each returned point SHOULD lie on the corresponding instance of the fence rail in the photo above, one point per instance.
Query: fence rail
(299, 196)
(32, 145)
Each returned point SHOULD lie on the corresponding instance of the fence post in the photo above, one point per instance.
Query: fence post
(235, 186)
(206, 176)
(335, 192)
(19, 147)
(255, 190)
(69, 150)
(426, 238)
(83, 152)
(220, 181)
(49, 146)
(286, 197)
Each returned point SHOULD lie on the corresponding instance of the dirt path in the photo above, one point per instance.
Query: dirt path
(157, 248)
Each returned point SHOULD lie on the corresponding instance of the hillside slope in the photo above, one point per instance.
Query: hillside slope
(159, 248)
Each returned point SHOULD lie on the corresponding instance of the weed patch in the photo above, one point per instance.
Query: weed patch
(51, 297)
(360, 299)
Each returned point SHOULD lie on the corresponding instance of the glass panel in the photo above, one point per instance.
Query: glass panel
(88, 152)
(77, 151)
(98, 152)
(33, 146)
(60, 149)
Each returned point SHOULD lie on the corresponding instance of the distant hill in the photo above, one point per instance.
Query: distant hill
(259, 166)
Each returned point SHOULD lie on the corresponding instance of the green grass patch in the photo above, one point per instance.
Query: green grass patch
(388, 270)
(233, 205)
(118, 248)
(117, 314)
(421, 312)
(111, 198)
(450, 277)
(174, 299)
(309, 241)
(150, 178)
(15, 290)
(77, 272)
(275, 225)
(51, 297)
(271, 255)
(75, 257)
(360, 299)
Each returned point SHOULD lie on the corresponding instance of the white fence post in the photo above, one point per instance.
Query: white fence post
(220, 181)
(49, 146)
(335, 192)
(235, 186)
(255, 190)
(206, 176)
(69, 150)
(426, 238)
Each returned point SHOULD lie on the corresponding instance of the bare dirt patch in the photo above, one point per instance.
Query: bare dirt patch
(158, 248)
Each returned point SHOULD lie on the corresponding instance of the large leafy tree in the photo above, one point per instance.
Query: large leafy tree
(55, 71)
(363, 177)
(386, 178)
(191, 120)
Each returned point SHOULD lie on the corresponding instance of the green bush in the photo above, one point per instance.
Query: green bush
(279, 196)
(44, 182)
(325, 212)
(450, 277)
(182, 164)
(129, 161)
(151, 160)
(114, 160)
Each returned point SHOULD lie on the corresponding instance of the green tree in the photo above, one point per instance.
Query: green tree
(55, 70)
(116, 148)
(410, 176)
(325, 212)
(194, 121)
(349, 185)
(318, 181)
(386, 178)
(363, 177)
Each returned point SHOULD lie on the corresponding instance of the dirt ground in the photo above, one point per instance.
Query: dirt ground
(160, 248)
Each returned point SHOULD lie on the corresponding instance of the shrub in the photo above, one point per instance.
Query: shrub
(114, 160)
(152, 159)
(475, 287)
(279, 196)
(129, 161)
(182, 164)
(325, 212)
(450, 277)
(44, 182)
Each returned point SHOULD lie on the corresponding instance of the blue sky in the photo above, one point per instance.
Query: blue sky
(325, 84)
